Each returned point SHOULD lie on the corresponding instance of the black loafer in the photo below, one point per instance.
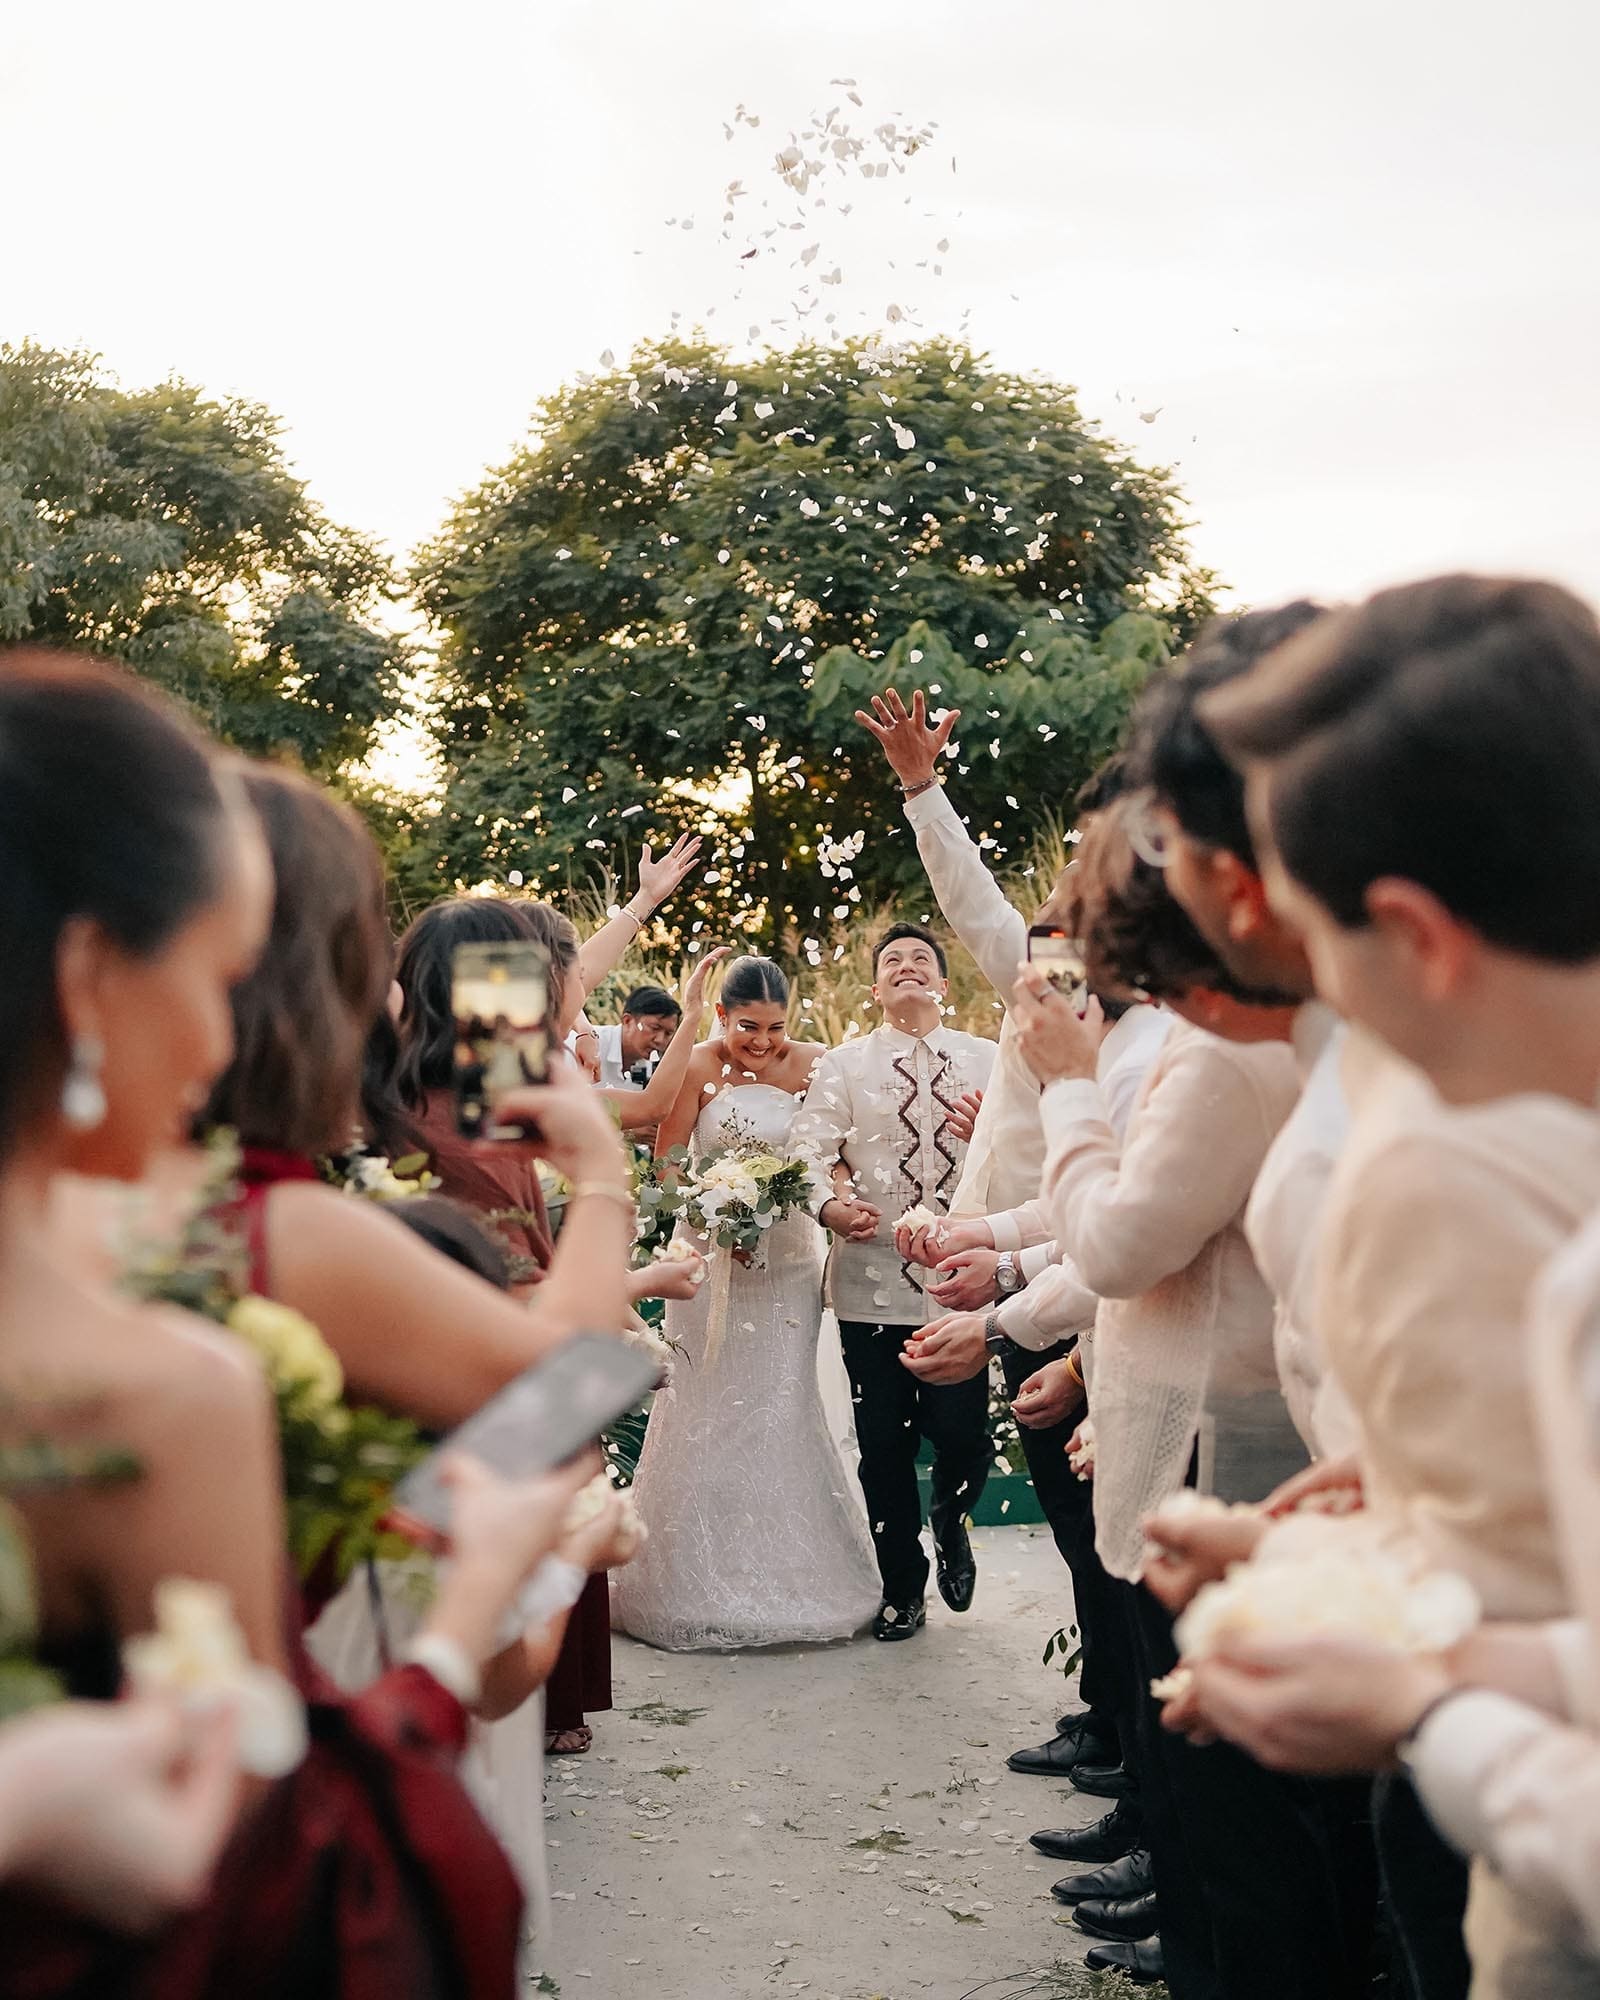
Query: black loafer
(1108, 1839)
(1099, 1781)
(899, 1621)
(955, 1568)
(1118, 1880)
(1125, 1921)
(1142, 1963)
(1056, 1758)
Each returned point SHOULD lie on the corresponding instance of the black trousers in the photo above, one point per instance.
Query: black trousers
(1425, 1892)
(1067, 1503)
(1248, 1889)
(894, 1413)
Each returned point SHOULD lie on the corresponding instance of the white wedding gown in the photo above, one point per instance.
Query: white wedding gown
(757, 1533)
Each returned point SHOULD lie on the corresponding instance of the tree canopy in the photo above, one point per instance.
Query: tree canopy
(164, 527)
(663, 611)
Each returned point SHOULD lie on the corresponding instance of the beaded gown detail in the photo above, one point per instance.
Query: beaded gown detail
(757, 1537)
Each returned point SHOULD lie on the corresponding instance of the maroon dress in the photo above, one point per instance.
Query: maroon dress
(366, 1874)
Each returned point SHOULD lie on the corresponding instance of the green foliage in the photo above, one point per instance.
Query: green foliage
(165, 528)
(1065, 1645)
(663, 611)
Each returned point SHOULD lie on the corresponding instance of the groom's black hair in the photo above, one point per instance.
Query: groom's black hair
(897, 931)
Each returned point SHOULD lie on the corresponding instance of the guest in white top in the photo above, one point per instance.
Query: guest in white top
(1422, 773)
(876, 1129)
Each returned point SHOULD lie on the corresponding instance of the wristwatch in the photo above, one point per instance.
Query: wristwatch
(1007, 1278)
(994, 1337)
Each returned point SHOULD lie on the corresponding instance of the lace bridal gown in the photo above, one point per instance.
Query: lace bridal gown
(756, 1536)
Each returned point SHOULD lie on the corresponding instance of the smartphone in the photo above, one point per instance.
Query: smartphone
(1061, 955)
(539, 1421)
(500, 1006)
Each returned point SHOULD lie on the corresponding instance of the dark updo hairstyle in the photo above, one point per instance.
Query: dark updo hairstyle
(426, 975)
(111, 809)
(302, 1018)
(754, 981)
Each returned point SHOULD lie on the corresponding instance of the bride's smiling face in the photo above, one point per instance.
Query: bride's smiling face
(755, 1031)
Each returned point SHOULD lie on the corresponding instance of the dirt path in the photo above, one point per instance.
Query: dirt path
(836, 1822)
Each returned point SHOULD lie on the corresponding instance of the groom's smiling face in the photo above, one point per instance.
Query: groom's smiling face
(908, 969)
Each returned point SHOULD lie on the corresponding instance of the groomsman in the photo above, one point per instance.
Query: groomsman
(879, 1127)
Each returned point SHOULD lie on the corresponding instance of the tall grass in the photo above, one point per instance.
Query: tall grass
(833, 997)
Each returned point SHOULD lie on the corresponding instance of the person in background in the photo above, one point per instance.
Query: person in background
(631, 1047)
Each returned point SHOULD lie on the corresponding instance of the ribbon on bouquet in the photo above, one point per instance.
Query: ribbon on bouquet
(721, 1282)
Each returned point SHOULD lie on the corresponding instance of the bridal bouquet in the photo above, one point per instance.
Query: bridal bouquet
(736, 1197)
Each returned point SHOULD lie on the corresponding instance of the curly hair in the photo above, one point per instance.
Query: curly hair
(1138, 944)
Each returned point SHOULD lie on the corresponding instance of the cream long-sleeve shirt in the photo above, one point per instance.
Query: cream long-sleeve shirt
(880, 1105)
(1183, 1337)
(1006, 1156)
(1283, 1225)
(1055, 1302)
(1438, 1220)
(1501, 1779)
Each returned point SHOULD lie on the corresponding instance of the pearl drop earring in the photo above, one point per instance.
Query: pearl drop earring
(83, 1097)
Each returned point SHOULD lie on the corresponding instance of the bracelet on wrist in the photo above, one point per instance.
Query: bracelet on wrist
(606, 1191)
(926, 785)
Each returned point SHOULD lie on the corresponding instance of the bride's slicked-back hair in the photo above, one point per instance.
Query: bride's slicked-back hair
(426, 973)
(754, 981)
(111, 809)
(302, 1018)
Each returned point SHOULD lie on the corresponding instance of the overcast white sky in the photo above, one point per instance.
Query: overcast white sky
(1350, 253)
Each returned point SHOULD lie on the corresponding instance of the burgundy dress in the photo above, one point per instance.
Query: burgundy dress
(366, 1874)
(492, 1179)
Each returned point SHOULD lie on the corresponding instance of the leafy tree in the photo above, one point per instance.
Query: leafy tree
(165, 528)
(664, 609)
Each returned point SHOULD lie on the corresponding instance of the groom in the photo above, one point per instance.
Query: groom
(879, 1129)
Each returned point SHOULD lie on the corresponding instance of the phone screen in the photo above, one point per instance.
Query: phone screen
(539, 1421)
(500, 1004)
(1061, 956)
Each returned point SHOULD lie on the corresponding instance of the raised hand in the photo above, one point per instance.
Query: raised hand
(1055, 1043)
(694, 994)
(911, 743)
(660, 879)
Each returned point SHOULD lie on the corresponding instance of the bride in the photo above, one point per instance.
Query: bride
(756, 1537)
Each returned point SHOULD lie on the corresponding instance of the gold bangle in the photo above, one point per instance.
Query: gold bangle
(1075, 1368)
(608, 1191)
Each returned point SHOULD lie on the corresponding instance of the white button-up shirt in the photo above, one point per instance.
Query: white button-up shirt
(1005, 1160)
(881, 1105)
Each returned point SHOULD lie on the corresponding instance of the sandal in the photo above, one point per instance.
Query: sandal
(569, 1742)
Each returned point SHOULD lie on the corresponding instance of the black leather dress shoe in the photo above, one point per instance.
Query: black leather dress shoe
(1107, 1839)
(1099, 1781)
(1131, 1876)
(1126, 1921)
(1056, 1758)
(899, 1621)
(954, 1566)
(1142, 1963)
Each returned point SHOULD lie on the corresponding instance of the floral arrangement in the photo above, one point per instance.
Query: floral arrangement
(373, 1178)
(341, 1461)
(735, 1196)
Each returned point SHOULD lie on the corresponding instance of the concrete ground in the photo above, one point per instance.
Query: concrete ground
(830, 1821)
